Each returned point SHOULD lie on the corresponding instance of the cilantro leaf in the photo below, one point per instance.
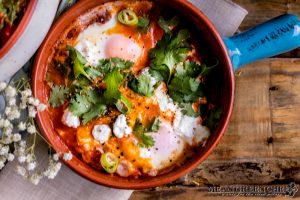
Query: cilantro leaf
(147, 141)
(184, 89)
(106, 66)
(168, 25)
(155, 125)
(141, 131)
(169, 51)
(78, 62)
(143, 22)
(58, 96)
(214, 117)
(187, 109)
(206, 68)
(143, 85)
(79, 65)
(93, 96)
(80, 105)
(95, 111)
(92, 73)
(189, 68)
(87, 105)
(123, 104)
(113, 81)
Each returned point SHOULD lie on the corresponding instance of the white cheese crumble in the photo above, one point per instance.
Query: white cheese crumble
(121, 128)
(189, 128)
(164, 101)
(101, 133)
(70, 120)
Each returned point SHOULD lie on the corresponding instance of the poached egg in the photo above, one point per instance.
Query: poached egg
(97, 42)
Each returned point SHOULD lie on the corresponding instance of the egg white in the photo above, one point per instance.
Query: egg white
(167, 149)
(94, 43)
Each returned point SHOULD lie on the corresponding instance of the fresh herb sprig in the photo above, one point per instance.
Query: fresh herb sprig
(58, 96)
(169, 51)
(143, 132)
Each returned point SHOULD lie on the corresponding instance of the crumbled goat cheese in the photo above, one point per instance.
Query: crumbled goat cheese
(70, 120)
(121, 128)
(101, 133)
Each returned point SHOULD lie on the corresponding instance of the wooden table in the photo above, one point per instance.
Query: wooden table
(262, 144)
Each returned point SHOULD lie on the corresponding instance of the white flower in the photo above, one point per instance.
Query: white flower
(30, 158)
(31, 129)
(31, 112)
(21, 151)
(36, 102)
(8, 110)
(3, 85)
(22, 143)
(4, 150)
(10, 92)
(33, 101)
(7, 131)
(17, 137)
(22, 159)
(56, 156)
(35, 178)
(31, 166)
(26, 93)
(7, 124)
(7, 139)
(14, 114)
(1, 165)
(12, 102)
(10, 157)
(23, 105)
(21, 171)
(52, 171)
(22, 126)
(68, 156)
(41, 107)
(30, 100)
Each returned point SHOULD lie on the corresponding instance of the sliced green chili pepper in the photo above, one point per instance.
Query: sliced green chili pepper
(109, 162)
(128, 17)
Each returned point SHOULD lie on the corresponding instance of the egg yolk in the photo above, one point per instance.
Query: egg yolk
(119, 46)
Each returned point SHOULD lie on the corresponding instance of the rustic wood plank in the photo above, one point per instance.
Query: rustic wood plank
(285, 107)
(187, 193)
(250, 125)
(263, 10)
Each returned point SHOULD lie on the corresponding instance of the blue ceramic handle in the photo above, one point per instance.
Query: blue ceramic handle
(279, 35)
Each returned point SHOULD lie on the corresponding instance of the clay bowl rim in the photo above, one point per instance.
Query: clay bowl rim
(20, 28)
(76, 164)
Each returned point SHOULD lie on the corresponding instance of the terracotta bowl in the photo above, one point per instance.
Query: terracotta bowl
(20, 28)
(207, 32)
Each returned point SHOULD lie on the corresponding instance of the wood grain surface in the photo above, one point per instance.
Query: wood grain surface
(261, 145)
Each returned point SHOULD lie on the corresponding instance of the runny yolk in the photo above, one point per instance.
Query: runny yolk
(119, 46)
(144, 40)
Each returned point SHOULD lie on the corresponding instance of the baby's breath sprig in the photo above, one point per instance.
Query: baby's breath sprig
(19, 100)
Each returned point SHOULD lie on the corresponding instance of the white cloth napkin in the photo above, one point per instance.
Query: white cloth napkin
(225, 15)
